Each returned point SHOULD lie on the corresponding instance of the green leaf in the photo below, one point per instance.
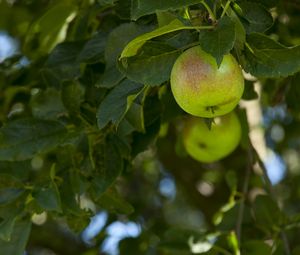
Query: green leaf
(135, 116)
(22, 139)
(254, 247)
(249, 92)
(113, 202)
(267, 214)
(152, 119)
(110, 166)
(164, 17)
(116, 41)
(48, 198)
(10, 189)
(63, 60)
(110, 78)
(119, 38)
(49, 29)
(8, 195)
(74, 186)
(72, 95)
(240, 32)
(9, 219)
(267, 58)
(132, 48)
(219, 41)
(93, 50)
(19, 170)
(117, 102)
(47, 104)
(140, 8)
(17, 244)
(152, 66)
(255, 18)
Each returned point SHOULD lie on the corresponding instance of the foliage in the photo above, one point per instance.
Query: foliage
(89, 124)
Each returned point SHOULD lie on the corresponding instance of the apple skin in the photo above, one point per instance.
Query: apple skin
(201, 88)
(209, 145)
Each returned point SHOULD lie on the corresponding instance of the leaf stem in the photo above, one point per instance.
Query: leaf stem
(187, 13)
(249, 47)
(203, 27)
(225, 8)
(211, 14)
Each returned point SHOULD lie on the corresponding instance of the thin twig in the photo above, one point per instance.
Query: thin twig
(244, 192)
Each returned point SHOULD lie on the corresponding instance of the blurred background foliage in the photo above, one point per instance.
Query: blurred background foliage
(91, 159)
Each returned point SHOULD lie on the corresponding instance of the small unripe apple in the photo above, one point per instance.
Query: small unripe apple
(209, 145)
(203, 89)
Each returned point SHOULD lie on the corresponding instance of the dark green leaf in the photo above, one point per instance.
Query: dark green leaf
(240, 32)
(72, 95)
(110, 78)
(17, 244)
(7, 224)
(219, 41)
(47, 104)
(116, 41)
(37, 136)
(19, 169)
(117, 102)
(119, 38)
(135, 116)
(144, 7)
(109, 168)
(48, 198)
(267, 58)
(93, 50)
(255, 18)
(152, 116)
(267, 214)
(249, 92)
(255, 247)
(63, 60)
(113, 202)
(8, 195)
(152, 66)
(71, 189)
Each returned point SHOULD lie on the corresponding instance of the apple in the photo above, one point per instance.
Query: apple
(209, 145)
(201, 88)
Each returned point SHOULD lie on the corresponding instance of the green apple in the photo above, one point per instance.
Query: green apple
(209, 145)
(201, 88)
